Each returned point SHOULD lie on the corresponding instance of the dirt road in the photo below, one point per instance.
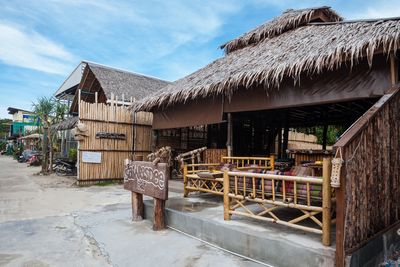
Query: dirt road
(48, 221)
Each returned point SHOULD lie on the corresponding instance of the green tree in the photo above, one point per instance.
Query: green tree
(333, 133)
(44, 109)
(49, 111)
(4, 127)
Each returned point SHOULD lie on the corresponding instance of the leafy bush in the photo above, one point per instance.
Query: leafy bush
(3, 145)
(73, 154)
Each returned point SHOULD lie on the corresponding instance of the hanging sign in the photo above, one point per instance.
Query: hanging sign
(146, 178)
(105, 135)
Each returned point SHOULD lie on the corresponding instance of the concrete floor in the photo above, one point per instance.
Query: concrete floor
(48, 221)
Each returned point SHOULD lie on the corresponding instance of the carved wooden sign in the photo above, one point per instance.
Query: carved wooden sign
(146, 178)
(105, 135)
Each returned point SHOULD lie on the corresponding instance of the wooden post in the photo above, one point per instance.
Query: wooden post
(285, 141)
(326, 202)
(324, 136)
(272, 162)
(229, 135)
(279, 142)
(137, 207)
(78, 157)
(96, 97)
(341, 208)
(185, 180)
(155, 139)
(158, 216)
(393, 69)
(227, 216)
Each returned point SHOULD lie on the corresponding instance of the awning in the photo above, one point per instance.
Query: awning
(339, 86)
(66, 124)
(32, 136)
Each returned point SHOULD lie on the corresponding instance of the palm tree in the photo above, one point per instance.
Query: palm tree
(60, 112)
(44, 109)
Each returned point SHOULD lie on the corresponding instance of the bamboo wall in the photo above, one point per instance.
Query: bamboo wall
(369, 196)
(99, 117)
(142, 134)
(214, 155)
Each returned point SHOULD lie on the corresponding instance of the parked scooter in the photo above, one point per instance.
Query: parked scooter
(35, 160)
(64, 167)
(25, 155)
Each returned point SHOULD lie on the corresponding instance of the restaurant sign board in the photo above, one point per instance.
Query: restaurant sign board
(146, 178)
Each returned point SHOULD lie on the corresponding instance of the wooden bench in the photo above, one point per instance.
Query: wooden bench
(259, 196)
(193, 183)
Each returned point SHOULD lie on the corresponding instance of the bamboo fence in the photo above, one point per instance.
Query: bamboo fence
(117, 119)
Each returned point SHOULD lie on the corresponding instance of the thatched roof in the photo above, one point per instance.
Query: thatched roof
(120, 82)
(290, 19)
(311, 48)
(66, 124)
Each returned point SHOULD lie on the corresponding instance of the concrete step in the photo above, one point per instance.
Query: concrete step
(276, 245)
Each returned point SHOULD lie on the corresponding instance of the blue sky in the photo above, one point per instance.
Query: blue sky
(42, 41)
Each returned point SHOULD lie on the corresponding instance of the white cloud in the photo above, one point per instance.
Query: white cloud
(287, 4)
(371, 9)
(379, 11)
(32, 50)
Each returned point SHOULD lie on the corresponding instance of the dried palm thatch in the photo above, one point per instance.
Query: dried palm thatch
(310, 49)
(121, 82)
(289, 20)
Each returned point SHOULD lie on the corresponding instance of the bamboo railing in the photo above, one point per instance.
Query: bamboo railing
(193, 183)
(241, 162)
(241, 189)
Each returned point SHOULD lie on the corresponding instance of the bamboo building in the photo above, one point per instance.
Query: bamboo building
(308, 67)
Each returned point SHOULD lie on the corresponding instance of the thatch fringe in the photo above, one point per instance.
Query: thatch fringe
(289, 20)
(310, 50)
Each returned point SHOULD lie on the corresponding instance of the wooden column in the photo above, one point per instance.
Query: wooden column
(155, 139)
(137, 207)
(340, 194)
(272, 162)
(229, 135)
(227, 216)
(393, 70)
(279, 142)
(185, 180)
(285, 141)
(158, 216)
(324, 136)
(326, 202)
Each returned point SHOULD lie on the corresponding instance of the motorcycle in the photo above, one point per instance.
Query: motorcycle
(25, 155)
(35, 160)
(64, 167)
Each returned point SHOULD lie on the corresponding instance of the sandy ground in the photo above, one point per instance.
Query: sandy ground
(48, 221)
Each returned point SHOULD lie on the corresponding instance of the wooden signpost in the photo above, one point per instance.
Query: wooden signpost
(147, 178)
